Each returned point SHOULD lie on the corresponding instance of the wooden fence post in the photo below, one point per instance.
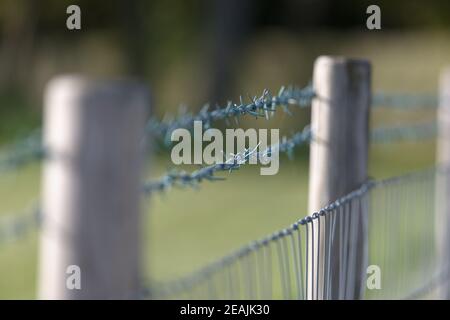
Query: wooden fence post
(442, 223)
(93, 134)
(338, 163)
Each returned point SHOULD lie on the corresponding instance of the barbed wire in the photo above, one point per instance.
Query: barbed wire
(266, 104)
(408, 132)
(161, 290)
(415, 132)
(219, 272)
(263, 106)
(30, 149)
(234, 162)
(15, 228)
(405, 101)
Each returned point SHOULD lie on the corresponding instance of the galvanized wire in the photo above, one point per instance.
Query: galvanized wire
(17, 226)
(400, 243)
(31, 149)
(405, 101)
(177, 178)
(404, 133)
(236, 161)
(263, 106)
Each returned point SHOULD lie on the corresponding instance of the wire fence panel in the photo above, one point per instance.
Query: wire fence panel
(291, 263)
(31, 149)
(401, 133)
(281, 266)
(402, 234)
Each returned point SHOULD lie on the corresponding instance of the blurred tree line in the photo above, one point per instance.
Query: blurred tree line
(150, 35)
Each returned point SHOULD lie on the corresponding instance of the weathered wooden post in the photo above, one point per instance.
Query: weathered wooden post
(442, 223)
(90, 243)
(338, 165)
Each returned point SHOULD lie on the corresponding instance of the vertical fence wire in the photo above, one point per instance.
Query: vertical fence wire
(401, 245)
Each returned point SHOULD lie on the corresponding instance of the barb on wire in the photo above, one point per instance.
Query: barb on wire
(262, 106)
(405, 101)
(412, 132)
(379, 135)
(23, 152)
(15, 227)
(182, 178)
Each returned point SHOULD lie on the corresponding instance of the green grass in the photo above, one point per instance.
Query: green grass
(186, 229)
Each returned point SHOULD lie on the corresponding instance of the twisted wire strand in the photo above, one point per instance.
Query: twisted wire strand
(182, 178)
(161, 290)
(410, 132)
(416, 132)
(439, 280)
(263, 106)
(405, 101)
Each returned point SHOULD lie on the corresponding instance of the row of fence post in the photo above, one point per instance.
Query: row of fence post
(91, 180)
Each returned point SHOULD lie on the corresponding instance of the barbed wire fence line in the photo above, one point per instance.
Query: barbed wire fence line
(177, 178)
(295, 263)
(30, 149)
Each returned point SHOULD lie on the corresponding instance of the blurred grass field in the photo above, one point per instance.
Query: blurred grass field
(185, 229)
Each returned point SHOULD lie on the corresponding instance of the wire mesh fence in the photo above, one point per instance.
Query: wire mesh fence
(296, 263)
(398, 213)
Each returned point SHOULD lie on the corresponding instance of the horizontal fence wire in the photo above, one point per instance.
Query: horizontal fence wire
(31, 149)
(176, 178)
(432, 289)
(235, 161)
(405, 101)
(290, 265)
